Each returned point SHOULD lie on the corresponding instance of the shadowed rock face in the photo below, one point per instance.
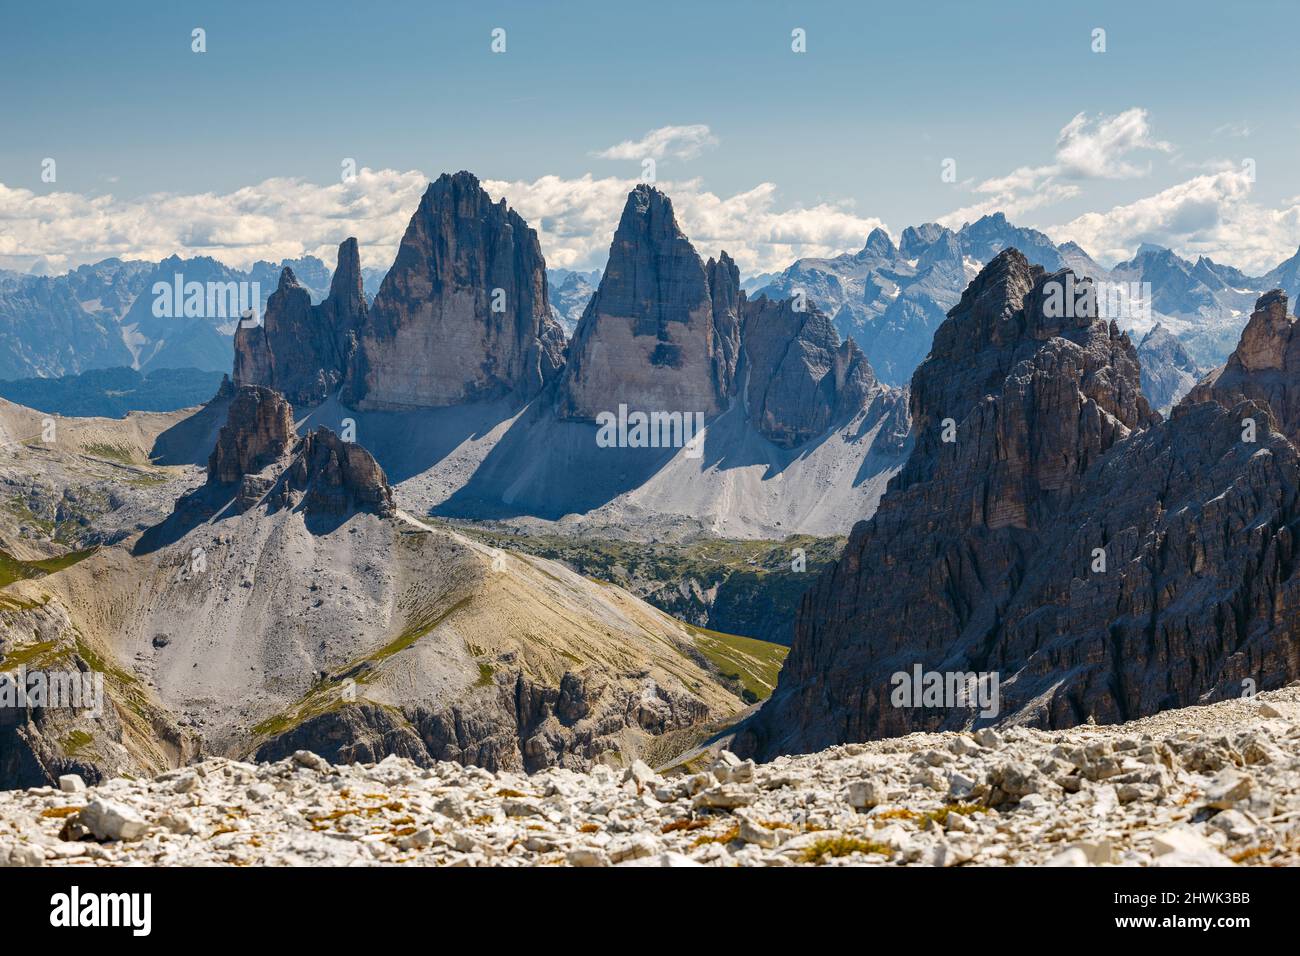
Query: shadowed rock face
(668, 332)
(1265, 366)
(463, 313)
(258, 430)
(336, 477)
(303, 350)
(653, 336)
(801, 377)
(1104, 563)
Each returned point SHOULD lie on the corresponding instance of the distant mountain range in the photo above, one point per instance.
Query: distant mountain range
(478, 407)
(1051, 536)
(570, 293)
(889, 298)
(113, 392)
(103, 315)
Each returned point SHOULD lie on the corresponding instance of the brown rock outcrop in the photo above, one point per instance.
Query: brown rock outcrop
(258, 431)
(1265, 367)
(463, 313)
(335, 477)
(1099, 563)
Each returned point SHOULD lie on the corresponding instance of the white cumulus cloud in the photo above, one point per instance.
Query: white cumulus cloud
(1209, 215)
(676, 142)
(1086, 148)
(285, 218)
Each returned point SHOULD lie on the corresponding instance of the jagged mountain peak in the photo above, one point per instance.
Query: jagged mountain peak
(652, 336)
(463, 315)
(304, 350)
(1025, 539)
(258, 431)
(878, 245)
(1263, 368)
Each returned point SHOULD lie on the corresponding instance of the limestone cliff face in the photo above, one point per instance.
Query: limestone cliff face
(463, 314)
(1101, 562)
(800, 377)
(666, 331)
(258, 431)
(1265, 366)
(300, 349)
(652, 336)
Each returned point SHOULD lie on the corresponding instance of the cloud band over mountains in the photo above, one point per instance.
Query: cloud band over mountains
(1209, 214)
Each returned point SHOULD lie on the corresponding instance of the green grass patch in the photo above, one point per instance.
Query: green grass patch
(28, 654)
(753, 663)
(74, 743)
(325, 695)
(113, 452)
(12, 569)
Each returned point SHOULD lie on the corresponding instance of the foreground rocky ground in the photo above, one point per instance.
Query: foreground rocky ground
(1216, 785)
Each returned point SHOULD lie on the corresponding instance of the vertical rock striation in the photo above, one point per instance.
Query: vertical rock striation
(258, 431)
(300, 349)
(463, 314)
(653, 337)
(1100, 562)
(800, 377)
(335, 477)
(1265, 366)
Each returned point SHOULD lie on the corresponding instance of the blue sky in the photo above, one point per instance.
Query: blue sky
(849, 134)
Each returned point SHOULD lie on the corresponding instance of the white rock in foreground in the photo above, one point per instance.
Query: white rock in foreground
(1202, 786)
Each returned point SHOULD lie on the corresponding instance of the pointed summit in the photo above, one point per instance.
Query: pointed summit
(302, 349)
(878, 246)
(1004, 424)
(1264, 367)
(652, 337)
(463, 313)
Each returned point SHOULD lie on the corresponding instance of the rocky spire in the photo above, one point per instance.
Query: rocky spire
(321, 472)
(335, 477)
(463, 313)
(728, 306)
(300, 349)
(1264, 367)
(651, 337)
(258, 431)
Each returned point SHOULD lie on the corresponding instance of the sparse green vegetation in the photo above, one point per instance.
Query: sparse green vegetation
(76, 742)
(27, 654)
(12, 569)
(113, 452)
(752, 663)
(738, 586)
(842, 846)
(325, 695)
